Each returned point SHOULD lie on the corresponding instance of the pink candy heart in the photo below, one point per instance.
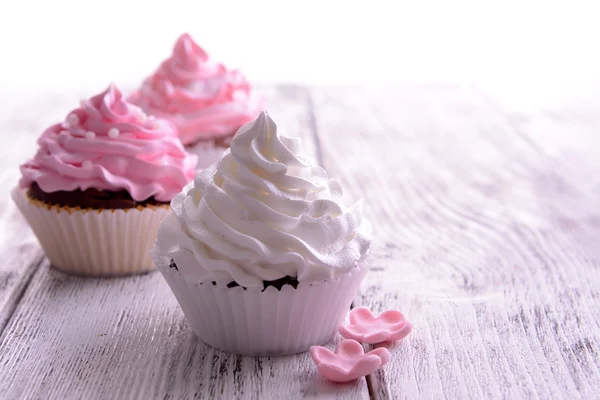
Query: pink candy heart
(365, 327)
(348, 361)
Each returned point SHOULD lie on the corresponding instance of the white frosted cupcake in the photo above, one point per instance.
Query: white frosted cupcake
(259, 251)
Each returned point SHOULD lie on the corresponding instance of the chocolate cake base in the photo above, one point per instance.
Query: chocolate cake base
(90, 198)
(277, 284)
(224, 141)
(221, 141)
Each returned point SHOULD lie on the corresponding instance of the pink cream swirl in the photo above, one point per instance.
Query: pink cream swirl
(201, 97)
(110, 144)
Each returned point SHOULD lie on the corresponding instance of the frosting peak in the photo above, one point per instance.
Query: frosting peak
(110, 144)
(264, 211)
(109, 109)
(201, 97)
(187, 52)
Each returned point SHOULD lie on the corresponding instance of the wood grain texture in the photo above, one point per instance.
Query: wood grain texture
(71, 337)
(487, 227)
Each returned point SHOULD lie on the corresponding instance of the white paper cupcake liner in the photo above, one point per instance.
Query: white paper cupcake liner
(208, 153)
(91, 242)
(264, 323)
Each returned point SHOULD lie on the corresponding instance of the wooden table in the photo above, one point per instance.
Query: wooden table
(487, 225)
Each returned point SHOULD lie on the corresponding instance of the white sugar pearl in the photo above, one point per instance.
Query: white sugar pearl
(90, 135)
(72, 119)
(87, 164)
(113, 133)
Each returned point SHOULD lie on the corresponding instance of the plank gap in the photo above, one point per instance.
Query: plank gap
(376, 384)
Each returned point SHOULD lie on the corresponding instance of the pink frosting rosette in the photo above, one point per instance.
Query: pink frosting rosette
(110, 144)
(201, 97)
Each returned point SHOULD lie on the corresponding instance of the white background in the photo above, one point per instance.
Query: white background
(62, 46)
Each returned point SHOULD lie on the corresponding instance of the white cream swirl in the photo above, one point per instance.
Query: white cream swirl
(264, 211)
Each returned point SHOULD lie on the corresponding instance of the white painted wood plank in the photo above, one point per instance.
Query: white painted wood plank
(71, 337)
(487, 239)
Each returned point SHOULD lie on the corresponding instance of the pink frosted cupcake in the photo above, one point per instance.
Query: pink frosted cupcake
(206, 101)
(260, 251)
(100, 184)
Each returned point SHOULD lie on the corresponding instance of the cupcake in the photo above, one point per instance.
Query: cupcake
(100, 184)
(206, 101)
(259, 250)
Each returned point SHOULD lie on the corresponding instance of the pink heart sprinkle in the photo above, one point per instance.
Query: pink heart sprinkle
(348, 361)
(365, 327)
